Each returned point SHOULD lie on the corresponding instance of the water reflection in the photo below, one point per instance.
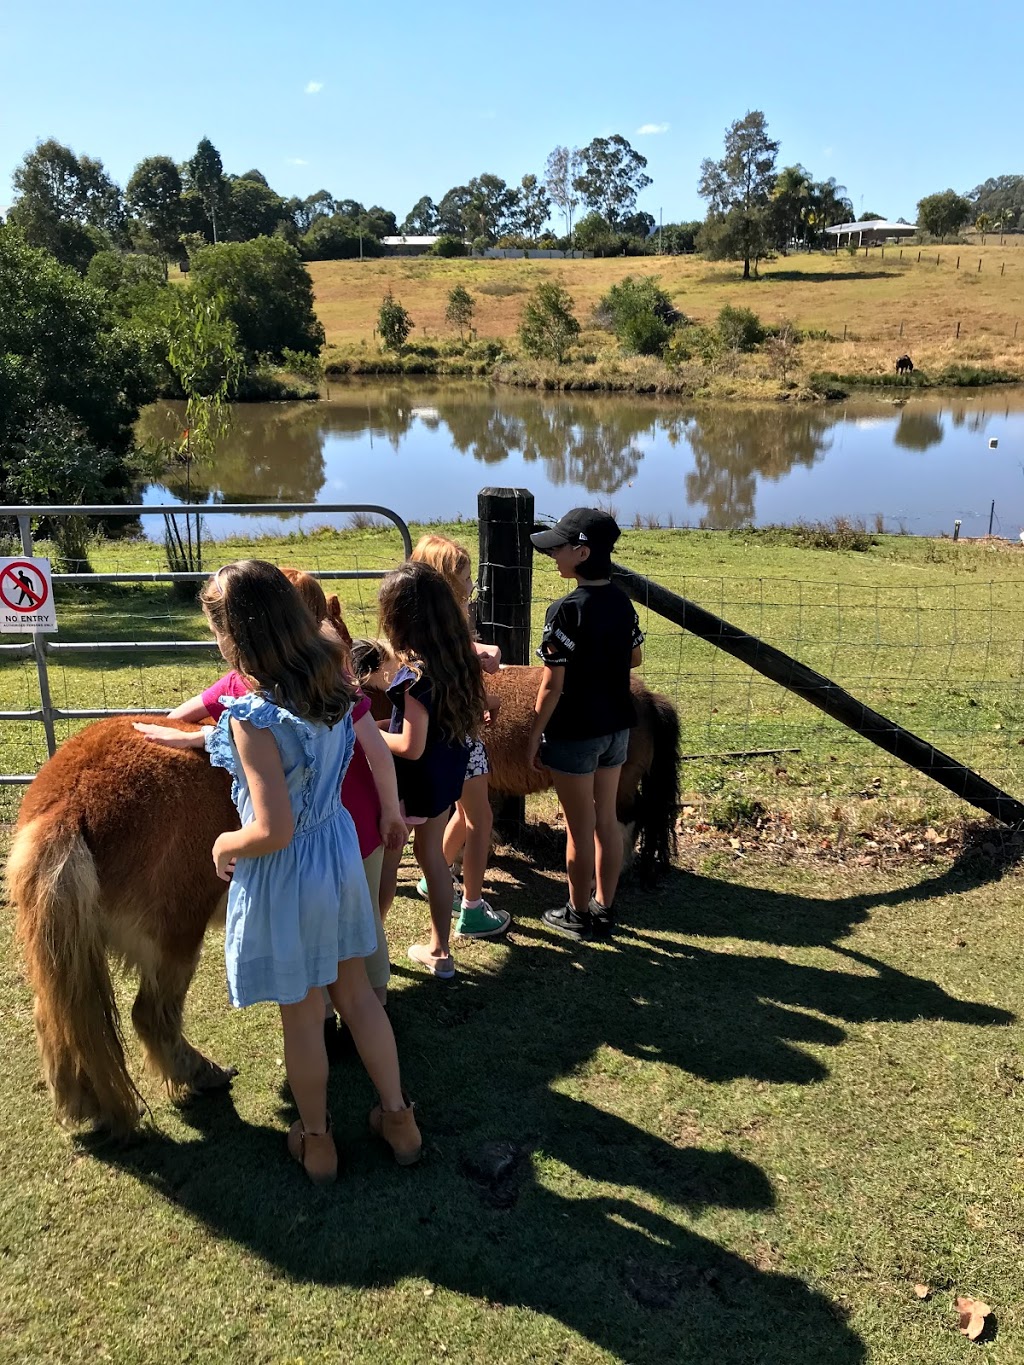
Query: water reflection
(735, 446)
(425, 448)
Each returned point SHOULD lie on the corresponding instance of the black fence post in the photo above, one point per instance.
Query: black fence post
(505, 573)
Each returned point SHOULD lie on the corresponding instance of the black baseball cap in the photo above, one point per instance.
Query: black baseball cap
(582, 526)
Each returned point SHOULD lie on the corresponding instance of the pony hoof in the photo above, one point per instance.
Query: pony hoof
(215, 1077)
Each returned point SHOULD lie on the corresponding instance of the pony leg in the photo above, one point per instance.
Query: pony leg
(157, 1016)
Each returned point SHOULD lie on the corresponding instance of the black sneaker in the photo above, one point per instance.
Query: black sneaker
(569, 922)
(602, 918)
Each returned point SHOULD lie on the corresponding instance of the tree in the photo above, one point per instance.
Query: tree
(791, 202)
(66, 204)
(679, 239)
(489, 209)
(610, 177)
(72, 381)
(451, 209)
(944, 213)
(460, 309)
(251, 210)
(594, 233)
(533, 208)
(871, 218)
(130, 281)
(306, 211)
(738, 190)
(548, 327)
(421, 220)
(393, 323)
(265, 291)
(205, 177)
(1002, 196)
(153, 198)
(563, 167)
(982, 224)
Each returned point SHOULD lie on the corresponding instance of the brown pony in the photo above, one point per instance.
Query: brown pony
(111, 858)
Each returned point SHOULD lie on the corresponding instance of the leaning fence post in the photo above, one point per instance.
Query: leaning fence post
(506, 588)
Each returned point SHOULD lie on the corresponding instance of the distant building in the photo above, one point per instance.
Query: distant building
(871, 233)
(408, 246)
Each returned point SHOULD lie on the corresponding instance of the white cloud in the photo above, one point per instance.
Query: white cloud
(649, 129)
(297, 161)
(314, 87)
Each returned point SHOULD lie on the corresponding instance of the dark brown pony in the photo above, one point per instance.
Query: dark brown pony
(111, 858)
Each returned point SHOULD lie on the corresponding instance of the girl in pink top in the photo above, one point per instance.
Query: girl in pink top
(369, 791)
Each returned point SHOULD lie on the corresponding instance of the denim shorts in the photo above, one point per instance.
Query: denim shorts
(580, 756)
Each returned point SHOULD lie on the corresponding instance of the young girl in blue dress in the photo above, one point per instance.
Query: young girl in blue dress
(299, 916)
(437, 697)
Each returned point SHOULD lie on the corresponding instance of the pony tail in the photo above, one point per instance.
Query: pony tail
(52, 880)
(337, 621)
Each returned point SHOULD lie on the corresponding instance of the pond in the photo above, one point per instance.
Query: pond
(426, 448)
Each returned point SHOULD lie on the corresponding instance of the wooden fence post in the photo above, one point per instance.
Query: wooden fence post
(505, 572)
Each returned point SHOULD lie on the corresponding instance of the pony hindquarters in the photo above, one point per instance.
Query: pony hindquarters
(112, 858)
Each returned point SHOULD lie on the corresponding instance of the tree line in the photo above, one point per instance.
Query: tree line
(70, 206)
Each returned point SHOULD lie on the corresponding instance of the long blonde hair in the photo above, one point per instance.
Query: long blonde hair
(428, 630)
(450, 559)
(272, 639)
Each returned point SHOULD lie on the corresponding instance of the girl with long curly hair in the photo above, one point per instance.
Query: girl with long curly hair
(438, 705)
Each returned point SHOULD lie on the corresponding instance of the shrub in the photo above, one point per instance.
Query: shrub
(640, 314)
(460, 308)
(734, 809)
(740, 328)
(448, 245)
(694, 342)
(393, 323)
(266, 292)
(549, 326)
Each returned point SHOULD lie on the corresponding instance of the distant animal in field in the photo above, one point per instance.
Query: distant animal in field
(111, 859)
(904, 365)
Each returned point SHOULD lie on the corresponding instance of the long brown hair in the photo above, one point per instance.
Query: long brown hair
(450, 559)
(428, 631)
(270, 636)
(326, 610)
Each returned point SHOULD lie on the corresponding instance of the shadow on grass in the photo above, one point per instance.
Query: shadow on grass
(533, 1197)
(829, 276)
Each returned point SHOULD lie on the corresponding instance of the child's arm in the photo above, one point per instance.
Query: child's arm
(637, 657)
(411, 740)
(272, 825)
(170, 737)
(548, 694)
(192, 710)
(489, 656)
(382, 766)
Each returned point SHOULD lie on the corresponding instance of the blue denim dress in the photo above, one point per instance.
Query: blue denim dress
(295, 914)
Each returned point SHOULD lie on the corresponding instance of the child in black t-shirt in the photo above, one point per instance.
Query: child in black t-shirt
(584, 712)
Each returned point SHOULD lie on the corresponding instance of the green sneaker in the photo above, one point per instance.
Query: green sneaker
(483, 921)
(421, 890)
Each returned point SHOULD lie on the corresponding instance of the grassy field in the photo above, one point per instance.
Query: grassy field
(927, 632)
(742, 1132)
(882, 306)
(788, 1092)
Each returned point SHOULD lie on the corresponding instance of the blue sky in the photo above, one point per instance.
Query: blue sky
(383, 103)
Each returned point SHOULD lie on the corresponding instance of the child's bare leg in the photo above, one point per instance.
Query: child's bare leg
(389, 879)
(371, 1030)
(428, 843)
(455, 834)
(607, 834)
(479, 820)
(305, 1059)
(576, 794)
(378, 965)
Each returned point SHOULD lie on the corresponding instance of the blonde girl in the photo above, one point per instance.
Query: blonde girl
(470, 826)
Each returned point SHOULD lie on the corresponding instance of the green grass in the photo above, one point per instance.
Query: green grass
(746, 1129)
(927, 632)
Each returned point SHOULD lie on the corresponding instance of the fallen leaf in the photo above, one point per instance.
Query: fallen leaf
(922, 1291)
(972, 1316)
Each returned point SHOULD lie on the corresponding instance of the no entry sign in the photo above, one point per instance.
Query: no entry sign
(26, 596)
